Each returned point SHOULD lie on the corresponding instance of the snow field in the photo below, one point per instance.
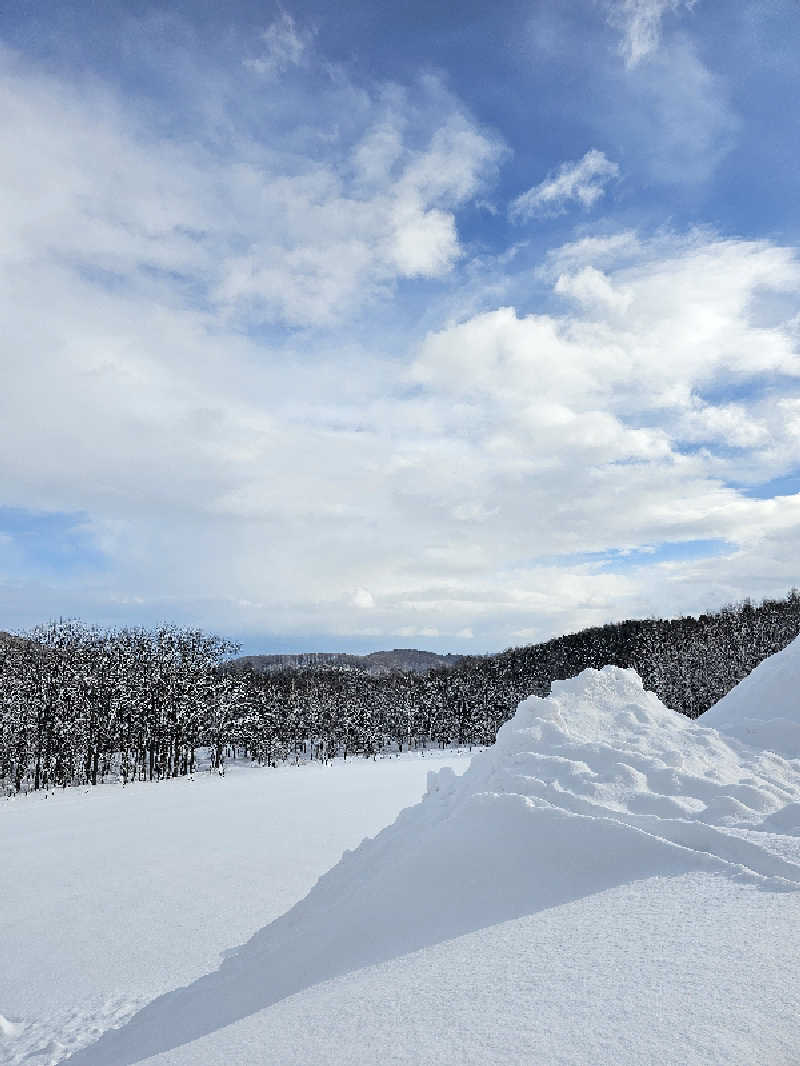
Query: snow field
(610, 883)
(111, 896)
(693, 970)
(593, 789)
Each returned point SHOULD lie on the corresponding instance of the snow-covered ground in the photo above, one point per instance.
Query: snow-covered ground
(674, 971)
(111, 896)
(610, 883)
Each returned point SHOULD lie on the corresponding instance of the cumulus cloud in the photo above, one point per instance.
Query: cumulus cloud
(613, 416)
(499, 489)
(583, 181)
(687, 326)
(640, 23)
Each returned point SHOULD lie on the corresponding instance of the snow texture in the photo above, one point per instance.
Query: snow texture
(764, 708)
(693, 970)
(111, 896)
(593, 789)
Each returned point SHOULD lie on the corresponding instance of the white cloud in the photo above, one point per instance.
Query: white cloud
(680, 114)
(640, 23)
(414, 631)
(362, 598)
(686, 325)
(579, 424)
(293, 237)
(591, 287)
(283, 45)
(732, 425)
(594, 253)
(198, 355)
(583, 181)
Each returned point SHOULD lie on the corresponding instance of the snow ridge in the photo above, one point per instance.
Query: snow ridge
(595, 786)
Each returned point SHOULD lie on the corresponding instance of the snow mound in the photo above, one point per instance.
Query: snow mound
(764, 709)
(596, 786)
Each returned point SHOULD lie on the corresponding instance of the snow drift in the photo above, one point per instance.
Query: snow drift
(764, 708)
(593, 787)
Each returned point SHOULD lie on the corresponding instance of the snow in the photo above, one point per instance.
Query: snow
(764, 709)
(609, 883)
(593, 790)
(683, 971)
(111, 896)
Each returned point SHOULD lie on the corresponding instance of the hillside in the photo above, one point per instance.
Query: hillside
(403, 660)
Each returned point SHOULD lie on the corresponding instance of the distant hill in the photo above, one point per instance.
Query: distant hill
(406, 660)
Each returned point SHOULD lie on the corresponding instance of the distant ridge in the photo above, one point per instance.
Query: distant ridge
(406, 660)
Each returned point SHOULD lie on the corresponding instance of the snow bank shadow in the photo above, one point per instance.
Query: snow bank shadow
(435, 874)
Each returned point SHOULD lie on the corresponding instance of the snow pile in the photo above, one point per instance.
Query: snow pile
(596, 786)
(764, 709)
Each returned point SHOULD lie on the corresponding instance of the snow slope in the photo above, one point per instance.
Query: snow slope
(694, 970)
(764, 708)
(111, 896)
(590, 791)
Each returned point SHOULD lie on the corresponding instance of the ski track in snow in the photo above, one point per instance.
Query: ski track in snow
(594, 787)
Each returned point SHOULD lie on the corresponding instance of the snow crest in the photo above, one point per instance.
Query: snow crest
(596, 786)
(764, 708)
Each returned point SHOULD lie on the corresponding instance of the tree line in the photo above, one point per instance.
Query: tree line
(80, 704)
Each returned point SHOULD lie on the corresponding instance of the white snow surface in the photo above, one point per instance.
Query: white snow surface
(671, 971)
(601, 825)
(764, 708)
(111, 896)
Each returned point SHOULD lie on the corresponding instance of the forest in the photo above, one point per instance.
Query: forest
(81, 704)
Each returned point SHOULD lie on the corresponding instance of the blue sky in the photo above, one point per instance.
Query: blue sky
(384, 325)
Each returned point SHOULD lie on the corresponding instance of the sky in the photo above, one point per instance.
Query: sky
(386, 325)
